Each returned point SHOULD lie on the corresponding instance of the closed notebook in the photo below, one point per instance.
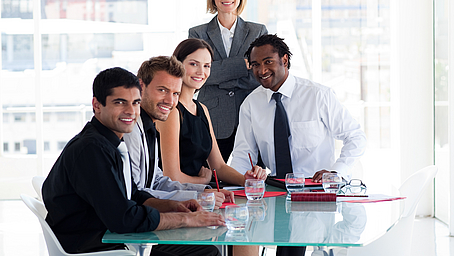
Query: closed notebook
(313, 197)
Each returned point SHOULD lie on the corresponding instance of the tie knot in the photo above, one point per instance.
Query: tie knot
(277, 96)
(122, 148)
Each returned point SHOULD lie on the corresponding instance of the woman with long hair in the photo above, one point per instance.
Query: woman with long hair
(189, 150)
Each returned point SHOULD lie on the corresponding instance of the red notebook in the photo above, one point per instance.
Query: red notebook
(226, 204)
(313, 197)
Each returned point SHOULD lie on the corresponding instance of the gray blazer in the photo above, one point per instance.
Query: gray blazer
(230, 80)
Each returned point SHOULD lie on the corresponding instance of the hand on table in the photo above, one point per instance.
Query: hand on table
(204, 218)
(172, 220)
(222, 196)
(192, 205)
(256, 173)
(318, 176)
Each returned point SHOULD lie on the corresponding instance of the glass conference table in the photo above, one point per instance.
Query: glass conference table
(278, 221)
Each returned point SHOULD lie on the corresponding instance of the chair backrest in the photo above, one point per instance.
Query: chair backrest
(414, 187)
(397, 241)
(37, 183)
(53, 245)
(37, 207)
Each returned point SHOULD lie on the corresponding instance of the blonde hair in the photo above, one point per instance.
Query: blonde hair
(211, 7)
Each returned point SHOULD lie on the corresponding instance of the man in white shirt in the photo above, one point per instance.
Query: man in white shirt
(312, 118)
(315, 116)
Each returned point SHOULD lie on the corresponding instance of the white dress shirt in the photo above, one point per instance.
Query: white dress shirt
(227, 36)
(316, 118)
(162, 186)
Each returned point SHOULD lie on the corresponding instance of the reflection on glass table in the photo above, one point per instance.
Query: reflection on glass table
(291, 206)
(327, 228)
(257, 209)
(273, 221)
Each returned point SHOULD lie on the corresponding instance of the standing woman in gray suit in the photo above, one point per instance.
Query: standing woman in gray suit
(231, 79)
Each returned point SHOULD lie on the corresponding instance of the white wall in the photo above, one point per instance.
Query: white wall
(412, 74)
(451, 115)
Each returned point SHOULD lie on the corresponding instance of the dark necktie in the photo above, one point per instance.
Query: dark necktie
(151, 139)
(281, 134)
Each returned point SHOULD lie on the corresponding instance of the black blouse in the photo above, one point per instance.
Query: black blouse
(195, 140)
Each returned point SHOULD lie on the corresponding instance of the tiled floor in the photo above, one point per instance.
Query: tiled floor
(20, 234)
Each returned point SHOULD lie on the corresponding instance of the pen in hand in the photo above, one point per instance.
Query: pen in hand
(250, 160)
(216, 178)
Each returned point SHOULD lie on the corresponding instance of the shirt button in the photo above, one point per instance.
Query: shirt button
(231, 94)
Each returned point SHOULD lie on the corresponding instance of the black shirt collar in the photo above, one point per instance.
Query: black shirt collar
(106, 132)
(146, 120)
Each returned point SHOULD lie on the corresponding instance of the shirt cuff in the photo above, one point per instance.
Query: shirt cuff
(342, 169)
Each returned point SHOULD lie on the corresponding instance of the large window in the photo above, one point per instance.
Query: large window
(342, 44)
(345, 45)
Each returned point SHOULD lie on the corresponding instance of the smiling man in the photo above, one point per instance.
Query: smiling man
(161, 79)
(293, 122)
(312, 119)
(89, 189)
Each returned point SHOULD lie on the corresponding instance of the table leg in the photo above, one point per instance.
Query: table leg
(142, 249)
(325, 251)
(320, 251)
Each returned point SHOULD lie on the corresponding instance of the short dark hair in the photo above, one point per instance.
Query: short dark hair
(170, 65)
(278, 44)
(110, 78)
(189, 46)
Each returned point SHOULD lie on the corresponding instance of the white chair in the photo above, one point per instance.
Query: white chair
(397, 241)
(37, 182)
(53, 245)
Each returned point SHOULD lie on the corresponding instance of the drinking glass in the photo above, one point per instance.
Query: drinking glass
(332, 182)
(236, 216)
(255, 189)
(294, 182)
(207, 200)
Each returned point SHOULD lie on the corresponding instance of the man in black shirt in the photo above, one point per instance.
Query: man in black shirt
(86, 192)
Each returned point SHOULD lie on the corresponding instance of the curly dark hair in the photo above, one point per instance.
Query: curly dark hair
(278, 44)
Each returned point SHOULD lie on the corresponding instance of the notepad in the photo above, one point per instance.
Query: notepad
(226, 204)
(372, 198)
(313, 197)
